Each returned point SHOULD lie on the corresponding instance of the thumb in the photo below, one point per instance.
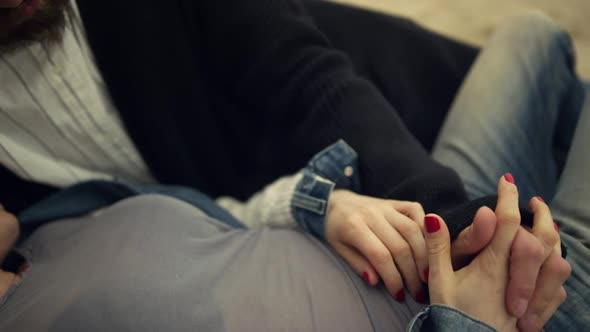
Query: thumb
(474, 238)
(438, 242)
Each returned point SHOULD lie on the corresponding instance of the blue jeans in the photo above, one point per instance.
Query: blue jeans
(517, 112)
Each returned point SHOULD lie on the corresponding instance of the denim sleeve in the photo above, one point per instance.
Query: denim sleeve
(442, 318)
(334, 167)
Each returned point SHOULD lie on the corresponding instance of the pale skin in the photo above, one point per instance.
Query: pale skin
(489, 272)
(382, 240)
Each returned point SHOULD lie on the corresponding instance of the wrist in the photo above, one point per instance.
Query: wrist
(334, 167)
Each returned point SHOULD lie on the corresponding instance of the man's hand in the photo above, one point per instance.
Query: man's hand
(537, 271)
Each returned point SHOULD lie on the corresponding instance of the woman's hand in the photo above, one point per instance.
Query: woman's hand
(380, 239)
(478, 289)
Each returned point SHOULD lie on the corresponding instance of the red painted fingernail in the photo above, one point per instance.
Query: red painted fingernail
(421, 296)
(508, 177)
(400, 295)
(541, 199)
(556, 227)
(366, 277)
(432, 224)
(426, 272)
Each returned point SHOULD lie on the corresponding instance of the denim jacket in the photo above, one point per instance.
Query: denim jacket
(336, 167)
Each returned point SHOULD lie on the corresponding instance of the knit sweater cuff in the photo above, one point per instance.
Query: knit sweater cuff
(270, 207)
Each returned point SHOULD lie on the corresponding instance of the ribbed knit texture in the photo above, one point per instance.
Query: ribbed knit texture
(270, 207)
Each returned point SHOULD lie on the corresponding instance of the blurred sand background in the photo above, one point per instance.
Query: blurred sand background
(474, 20)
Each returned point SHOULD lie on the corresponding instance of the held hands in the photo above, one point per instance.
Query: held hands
(537, 271)
(380, 239)
(483, 287)
(479, 288)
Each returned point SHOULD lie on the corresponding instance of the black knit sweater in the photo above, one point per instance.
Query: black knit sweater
(226, 96)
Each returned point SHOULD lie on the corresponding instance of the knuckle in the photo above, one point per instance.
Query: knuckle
(534, 252)
(564, 269)
(408, 228)
(549, 238)
(351, 227)
(561, 295)
(537, 206)
(379, 256)
(402, 250)
(511, 216)
(416, 207)
(559, 267)
(511, 190)
(437, 248)
(525, 290)
(364, 211)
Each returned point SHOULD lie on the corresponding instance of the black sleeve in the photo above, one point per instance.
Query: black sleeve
(272, 56)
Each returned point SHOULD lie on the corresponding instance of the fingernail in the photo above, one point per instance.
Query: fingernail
(421, 296)
(426, 272)
(508, 177)
(541, 199)
(556, 227)
(521, 306)
(400, 296)
(432, 224)
(366, 277)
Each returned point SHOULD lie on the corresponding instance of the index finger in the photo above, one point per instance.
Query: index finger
(369, 245)
(508, 216)
(544, 228)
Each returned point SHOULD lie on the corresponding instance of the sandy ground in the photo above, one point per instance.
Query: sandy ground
(474, 20)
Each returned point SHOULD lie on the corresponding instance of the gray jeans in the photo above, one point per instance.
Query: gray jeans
(521, 106)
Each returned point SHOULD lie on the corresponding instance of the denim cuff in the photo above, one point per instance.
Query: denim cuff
(438, 317)
(334, 167)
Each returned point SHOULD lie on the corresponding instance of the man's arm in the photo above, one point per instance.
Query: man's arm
(271, 55)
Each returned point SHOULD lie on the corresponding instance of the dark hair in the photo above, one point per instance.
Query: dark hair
(46, 25)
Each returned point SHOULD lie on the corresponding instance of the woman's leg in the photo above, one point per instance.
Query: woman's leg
(571, 207)
(518, 104)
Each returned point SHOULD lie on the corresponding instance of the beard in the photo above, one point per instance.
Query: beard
(45, 26)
